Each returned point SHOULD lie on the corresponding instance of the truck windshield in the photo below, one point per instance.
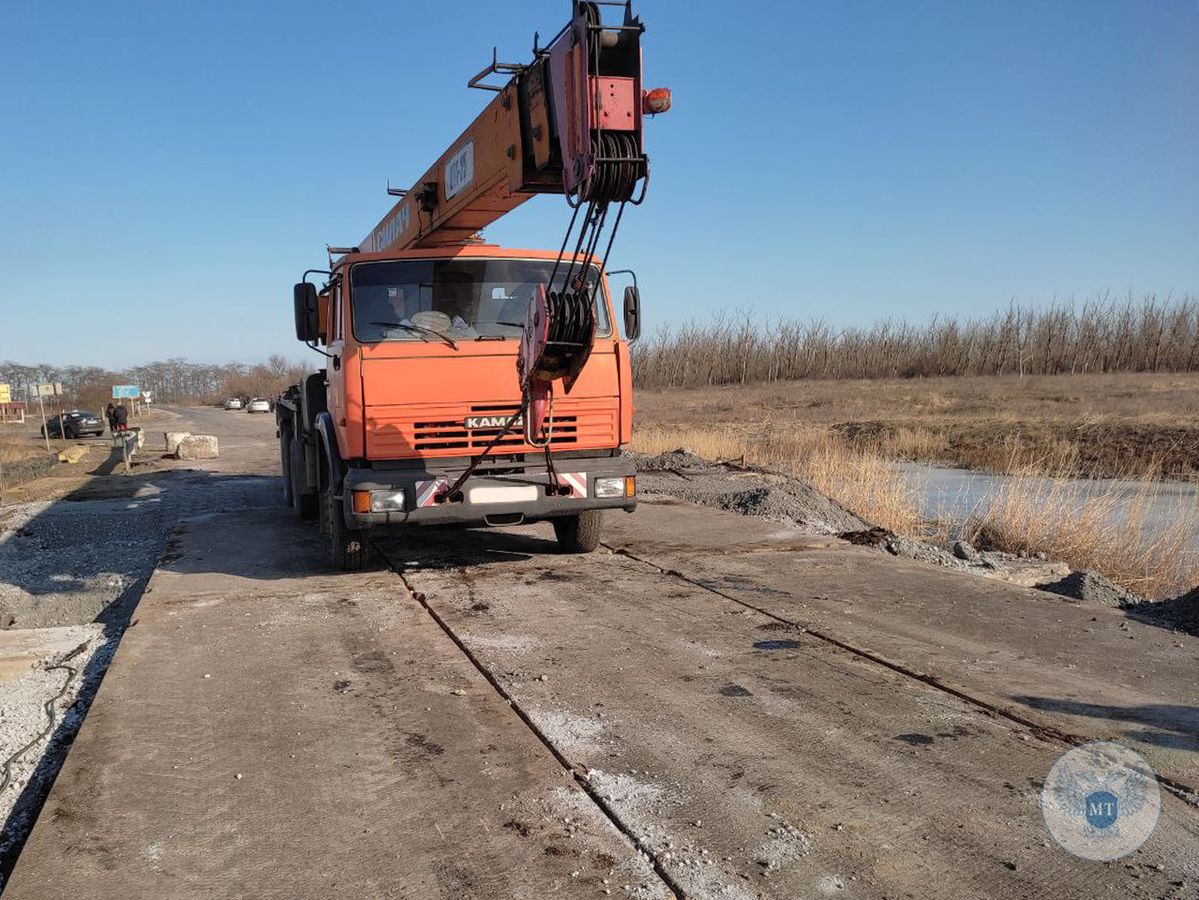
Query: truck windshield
(462, 299)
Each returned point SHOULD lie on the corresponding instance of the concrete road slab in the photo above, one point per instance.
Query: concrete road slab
(269, 730)
(1078, 668)
(755, 760)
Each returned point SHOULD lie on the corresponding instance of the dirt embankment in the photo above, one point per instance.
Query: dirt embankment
(782, 498)
(746, 490)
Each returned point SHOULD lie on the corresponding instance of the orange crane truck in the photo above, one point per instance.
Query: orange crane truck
(472, 384)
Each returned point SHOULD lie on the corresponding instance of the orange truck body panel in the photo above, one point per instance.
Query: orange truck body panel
(408, 399)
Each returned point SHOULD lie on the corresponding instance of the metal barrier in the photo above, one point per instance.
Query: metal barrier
(127, 442)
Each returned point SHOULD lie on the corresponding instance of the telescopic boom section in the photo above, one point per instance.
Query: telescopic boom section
(569, 122)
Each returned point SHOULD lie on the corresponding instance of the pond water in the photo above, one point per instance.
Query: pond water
(954, 494)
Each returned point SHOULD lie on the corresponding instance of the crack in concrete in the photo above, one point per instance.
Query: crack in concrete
(580, 776)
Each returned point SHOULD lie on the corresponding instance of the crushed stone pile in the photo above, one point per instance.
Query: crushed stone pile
(1179, 614)
(1091, 586)
(747, 490)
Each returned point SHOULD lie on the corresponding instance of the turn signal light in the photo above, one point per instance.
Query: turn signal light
(630, 486)
(655, 101)
(361, 501)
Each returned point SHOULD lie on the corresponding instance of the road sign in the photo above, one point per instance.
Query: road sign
(47, 390)
(5, 393)
(129, 391)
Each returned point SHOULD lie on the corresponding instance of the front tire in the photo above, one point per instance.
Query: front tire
(581, 533)
(348, 548)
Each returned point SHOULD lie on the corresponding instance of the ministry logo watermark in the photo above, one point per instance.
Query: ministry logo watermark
(1101, 801)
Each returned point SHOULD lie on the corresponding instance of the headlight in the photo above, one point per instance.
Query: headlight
(614, 487)
(387, 501)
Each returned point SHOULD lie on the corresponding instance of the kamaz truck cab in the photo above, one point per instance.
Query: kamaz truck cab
(420, 379)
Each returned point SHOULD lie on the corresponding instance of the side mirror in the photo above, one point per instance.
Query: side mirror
(632, 313)
(307, 318)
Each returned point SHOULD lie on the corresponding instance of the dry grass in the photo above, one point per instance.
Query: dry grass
(16, 449)
(864, 482)
(1143, 539)
(1101, 526)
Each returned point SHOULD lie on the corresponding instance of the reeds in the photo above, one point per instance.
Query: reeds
(1140, 532)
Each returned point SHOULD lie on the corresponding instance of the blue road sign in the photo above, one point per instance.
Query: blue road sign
(129, 391)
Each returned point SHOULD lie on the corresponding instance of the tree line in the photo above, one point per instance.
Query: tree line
(171, 381)
(1102, 335)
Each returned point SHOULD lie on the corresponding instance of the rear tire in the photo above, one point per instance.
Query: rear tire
(306, 506)
(581, 533)
(349, 551)
(285, 466)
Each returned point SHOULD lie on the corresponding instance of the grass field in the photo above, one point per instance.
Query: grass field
(1094, 425)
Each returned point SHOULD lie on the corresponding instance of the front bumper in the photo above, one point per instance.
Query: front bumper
(484, 497)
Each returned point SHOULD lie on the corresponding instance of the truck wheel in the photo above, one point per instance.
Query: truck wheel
(581, 533)
(349, 550)
(306, 506)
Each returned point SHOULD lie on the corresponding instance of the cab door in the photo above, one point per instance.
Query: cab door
(336, 365)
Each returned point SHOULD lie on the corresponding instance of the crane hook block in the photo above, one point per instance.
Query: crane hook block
(558, 335)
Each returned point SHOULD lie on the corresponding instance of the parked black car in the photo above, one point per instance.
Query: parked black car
(77, 423)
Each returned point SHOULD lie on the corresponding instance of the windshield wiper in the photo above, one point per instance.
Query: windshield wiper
(419, 329)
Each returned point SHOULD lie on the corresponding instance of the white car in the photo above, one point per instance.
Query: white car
(258, 406)
(233, 403)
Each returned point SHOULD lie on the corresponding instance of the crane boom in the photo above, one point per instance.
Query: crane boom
(569, 122)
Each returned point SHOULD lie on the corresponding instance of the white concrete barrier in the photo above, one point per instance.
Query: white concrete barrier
(173, 438)
(197, 446)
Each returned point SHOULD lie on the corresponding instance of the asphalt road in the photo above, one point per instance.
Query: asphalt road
(707, 707)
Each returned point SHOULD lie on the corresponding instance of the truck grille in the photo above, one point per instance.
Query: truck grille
(395, 432)
(451, 435)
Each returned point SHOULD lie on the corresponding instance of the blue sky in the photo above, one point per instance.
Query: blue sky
(167, 169)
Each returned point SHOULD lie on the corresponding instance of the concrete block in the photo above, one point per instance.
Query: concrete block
(173, 438)
(72, 454)
(197, 446)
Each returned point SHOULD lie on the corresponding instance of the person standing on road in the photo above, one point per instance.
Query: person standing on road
(121, 415)
(110, 413)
